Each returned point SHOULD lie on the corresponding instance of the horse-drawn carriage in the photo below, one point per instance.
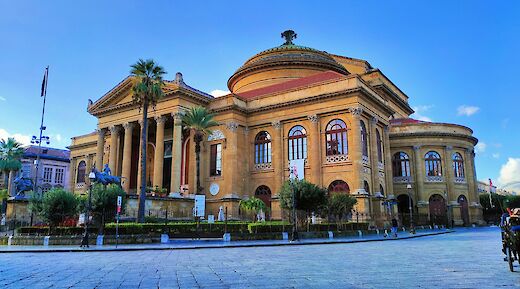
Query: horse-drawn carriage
(510, 225)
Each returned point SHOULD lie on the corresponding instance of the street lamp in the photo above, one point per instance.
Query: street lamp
(409, 188)
(92, 178)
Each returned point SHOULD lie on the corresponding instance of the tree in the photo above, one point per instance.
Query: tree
(198, 120)
(147, 89)
(11, 152)
(340, 204)
(253, 205)
(3, 200)
(55, 206)
(309, 197)
(104, 203)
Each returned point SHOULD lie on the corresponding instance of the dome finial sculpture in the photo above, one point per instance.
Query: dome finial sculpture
(289, 36)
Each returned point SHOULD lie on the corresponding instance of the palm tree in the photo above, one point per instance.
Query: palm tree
(147, 89)
(11, 152)
(198, 120)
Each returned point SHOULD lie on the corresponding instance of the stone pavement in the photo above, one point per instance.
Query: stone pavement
(214, 243)
(468, 258)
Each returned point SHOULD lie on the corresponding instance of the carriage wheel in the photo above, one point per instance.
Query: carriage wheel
(509, 258)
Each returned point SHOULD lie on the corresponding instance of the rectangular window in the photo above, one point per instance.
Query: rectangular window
(215, 162)
(47, 174)
(26, 169)
(59, 175)
(168, 149)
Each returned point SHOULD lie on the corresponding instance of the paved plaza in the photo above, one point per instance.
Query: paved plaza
(468, 258)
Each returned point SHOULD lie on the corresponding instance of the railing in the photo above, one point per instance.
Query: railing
(337, 159)
(263, 166)
(80, 185)
(460, 180)
(434, 179)
(364, 160)
(403, 179)
(381, 166)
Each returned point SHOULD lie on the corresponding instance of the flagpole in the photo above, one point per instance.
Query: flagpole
(42, 128)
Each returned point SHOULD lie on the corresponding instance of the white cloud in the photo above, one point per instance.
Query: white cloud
(2, 98)
(23, 139)
(496, 155)
(419, 112)
(219, 92)
(510, 173)
(467, 110)
(58, 137)
(480, 147)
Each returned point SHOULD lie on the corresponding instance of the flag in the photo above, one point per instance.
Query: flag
(44, 82)
(490, 183)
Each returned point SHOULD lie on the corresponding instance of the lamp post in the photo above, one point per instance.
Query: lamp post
(92, 177)
(409, 188)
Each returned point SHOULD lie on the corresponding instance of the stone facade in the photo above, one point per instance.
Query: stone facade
(345, 107)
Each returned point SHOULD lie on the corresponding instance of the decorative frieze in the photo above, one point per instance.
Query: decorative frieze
(216, 135)
(337, 159)
(460, 180)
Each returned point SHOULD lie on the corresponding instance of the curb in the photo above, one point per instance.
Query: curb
(79, 250)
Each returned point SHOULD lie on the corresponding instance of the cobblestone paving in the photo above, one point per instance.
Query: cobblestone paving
(469, 258)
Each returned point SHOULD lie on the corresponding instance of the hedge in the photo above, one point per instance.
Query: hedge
(181, 228)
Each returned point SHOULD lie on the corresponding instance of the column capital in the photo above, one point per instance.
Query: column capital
(449, 148)
(356, 111)
(141, 122)
(128, 125)
(114, 129)
(386, 128)
(177, 115)
(313, 118)
(161, 119)
(101, 130)
(416, 148)
(374, 120)
(276, 124)
(232, 126)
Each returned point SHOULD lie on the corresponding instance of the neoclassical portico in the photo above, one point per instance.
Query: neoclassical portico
(344, 118)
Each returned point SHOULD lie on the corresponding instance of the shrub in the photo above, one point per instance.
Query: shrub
(104, 203)
(309, 197)
(340, 204)
(55, 206)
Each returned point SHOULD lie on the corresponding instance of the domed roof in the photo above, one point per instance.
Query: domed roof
(282, 63)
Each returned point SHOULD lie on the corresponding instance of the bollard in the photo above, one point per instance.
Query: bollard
(285, 236)
(226, 237)
(473, 225)
(360, 233)
(331, 235)
(430, 227)
(404, 229)
(46, 241)
(165, 239)
(10, 241)
(377, 231)
(99, 240)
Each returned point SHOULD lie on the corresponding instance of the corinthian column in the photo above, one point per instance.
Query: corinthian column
(419, 174)
(159, 152)
(112, 158)
(127, 155)
(100, 147)
(278, 154)
(175, 184)
(354, 151)
(315, 156)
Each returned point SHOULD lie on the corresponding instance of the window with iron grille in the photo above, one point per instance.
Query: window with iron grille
(47, 175)
(59, 175)
(336, 138)
(297, 143)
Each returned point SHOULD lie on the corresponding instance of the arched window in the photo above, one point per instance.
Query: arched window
(339, 186)
(381, 190)
(262, 148)
(401, 165)
(364, 139)
(336, 137)
(80, 177)
(366, 187)
(297, 143)
(379, 146)
(458, 165)
(432, 161)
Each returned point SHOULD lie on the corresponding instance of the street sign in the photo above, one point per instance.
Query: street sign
(119, 202)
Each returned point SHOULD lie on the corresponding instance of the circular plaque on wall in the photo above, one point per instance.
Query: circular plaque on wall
(213, 189)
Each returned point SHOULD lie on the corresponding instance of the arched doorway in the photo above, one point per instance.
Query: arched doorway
(264, 194)
(339, 186)
(437, 210)
(464, 211)
(404, 203)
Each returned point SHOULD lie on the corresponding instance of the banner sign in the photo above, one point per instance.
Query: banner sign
(200, 206)
(119, 202)
(297, 169)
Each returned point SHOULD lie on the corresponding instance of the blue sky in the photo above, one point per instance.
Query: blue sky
(456, 60)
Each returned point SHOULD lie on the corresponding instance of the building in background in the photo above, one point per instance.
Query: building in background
(53, 170)
(346, 119)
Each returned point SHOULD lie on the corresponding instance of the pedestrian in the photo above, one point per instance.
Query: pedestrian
(394, 227)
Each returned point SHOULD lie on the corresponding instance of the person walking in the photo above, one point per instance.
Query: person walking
(395, 226)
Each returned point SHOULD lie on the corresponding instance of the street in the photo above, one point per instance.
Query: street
(468, 258)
